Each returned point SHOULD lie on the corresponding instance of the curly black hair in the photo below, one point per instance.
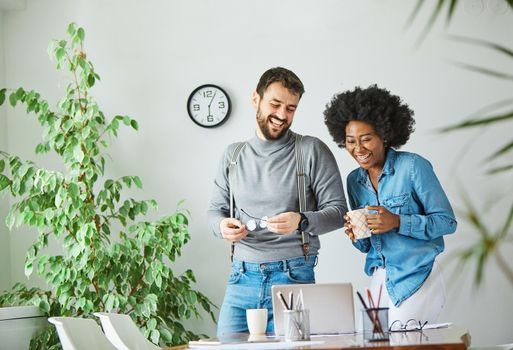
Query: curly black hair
(391, 118)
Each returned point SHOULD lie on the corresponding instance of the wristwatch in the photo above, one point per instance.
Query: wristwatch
(303, 223)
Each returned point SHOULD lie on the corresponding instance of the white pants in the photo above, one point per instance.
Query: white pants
(424, 305)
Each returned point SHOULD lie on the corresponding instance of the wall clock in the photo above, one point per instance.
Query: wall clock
(208, 106)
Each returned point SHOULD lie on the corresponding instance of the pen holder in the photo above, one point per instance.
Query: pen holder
(375, 324)
(297, 324)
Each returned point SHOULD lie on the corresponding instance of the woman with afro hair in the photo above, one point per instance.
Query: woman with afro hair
(405, 207)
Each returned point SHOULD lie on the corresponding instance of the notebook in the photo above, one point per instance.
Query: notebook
(331, 306)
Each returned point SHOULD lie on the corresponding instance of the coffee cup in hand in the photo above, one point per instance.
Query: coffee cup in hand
(358, 219)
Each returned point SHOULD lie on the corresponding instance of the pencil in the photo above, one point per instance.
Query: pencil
(361, 299)
(369, 296)
(379, 295)
(283, 302)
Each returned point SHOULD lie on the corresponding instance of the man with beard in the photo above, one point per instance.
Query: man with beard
(273, 195)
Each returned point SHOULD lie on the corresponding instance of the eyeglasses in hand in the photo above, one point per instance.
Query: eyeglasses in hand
(410, 325)
(251, 225)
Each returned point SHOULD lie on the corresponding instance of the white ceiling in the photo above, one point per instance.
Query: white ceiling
(6, 5)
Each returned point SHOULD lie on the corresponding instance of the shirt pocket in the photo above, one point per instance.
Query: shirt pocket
(397, 204)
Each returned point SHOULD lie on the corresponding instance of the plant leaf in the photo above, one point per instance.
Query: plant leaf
(2, 96)
(507, 224)
(28, 269)
(501, 151)
(414, 13)
(470, 123)
(450, 12)
(4, 181)
(155, 336)
(13, 99)
(485, 71)
(485, 43)
(473, 217)
(137, 181)
(500, 169)
(430, 22)
(81, 34)
(481, 260)
(72, 28)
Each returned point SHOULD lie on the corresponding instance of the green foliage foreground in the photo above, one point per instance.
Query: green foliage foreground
(98, 270)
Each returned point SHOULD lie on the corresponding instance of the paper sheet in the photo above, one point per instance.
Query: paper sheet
(264, 345)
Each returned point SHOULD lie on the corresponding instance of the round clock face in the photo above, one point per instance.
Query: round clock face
(209, 106)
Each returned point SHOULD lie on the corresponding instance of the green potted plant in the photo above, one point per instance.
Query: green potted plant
(487, 245)
(111, 261)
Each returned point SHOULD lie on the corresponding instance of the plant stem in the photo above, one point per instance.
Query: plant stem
(82, 108)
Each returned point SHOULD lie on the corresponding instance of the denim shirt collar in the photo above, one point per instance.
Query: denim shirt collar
(388, 167)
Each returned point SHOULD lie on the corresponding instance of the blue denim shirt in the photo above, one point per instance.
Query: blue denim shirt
(408, 187)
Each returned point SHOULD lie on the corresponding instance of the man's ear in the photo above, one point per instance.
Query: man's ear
(255, 99)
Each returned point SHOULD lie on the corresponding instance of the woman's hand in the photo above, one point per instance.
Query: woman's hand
(383, 221)
(349, 228)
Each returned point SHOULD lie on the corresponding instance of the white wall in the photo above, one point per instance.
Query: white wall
(152, 54)
(5, 260)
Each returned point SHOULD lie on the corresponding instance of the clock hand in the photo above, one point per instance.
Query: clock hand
(212, 99)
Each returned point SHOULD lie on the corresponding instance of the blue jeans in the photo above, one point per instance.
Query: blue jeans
(249, 287)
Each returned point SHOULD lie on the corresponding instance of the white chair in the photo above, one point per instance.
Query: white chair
(80, 334)
(123, 332)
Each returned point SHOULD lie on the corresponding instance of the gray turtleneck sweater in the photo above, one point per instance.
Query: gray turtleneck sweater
(265, 184)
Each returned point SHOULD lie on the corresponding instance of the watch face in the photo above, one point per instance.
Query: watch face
(209, 106)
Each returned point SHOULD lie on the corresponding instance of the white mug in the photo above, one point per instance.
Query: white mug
(257, 320)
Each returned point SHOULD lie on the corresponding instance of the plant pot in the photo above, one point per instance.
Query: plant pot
(18, 324)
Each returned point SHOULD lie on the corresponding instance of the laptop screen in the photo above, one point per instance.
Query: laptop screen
(331, 306)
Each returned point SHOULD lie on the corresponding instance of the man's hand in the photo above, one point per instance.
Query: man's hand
(284, 223)
(383, 221)
(232, 229)
(349, 228)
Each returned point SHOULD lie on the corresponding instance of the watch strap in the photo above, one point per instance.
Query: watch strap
(303, 222)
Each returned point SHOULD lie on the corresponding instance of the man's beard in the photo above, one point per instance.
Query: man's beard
(265, 128)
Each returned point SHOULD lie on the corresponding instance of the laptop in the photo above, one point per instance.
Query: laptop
(331, 306)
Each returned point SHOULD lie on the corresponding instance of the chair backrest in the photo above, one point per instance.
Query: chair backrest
(80, 334)
(121, 330)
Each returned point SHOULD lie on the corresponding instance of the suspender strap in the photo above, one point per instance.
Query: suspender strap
(231, 174)
(301, 189)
